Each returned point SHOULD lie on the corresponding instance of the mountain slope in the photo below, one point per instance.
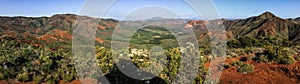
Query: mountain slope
(59, 27)
(264, 25)
(55, 28)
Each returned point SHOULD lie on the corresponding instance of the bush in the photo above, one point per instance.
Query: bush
(246, 68)
(198, 80)
(248, 50)
(287, 43)
(261, 58)
(285, 60)
(7, 74)
(248, 41)
(227, 65)
(297, 58)
(251, 57)
(237, 63)
(234, 43)
(1, 76)
(173, 63)
(104, 59)
(23, 76)
(242, 67)
(51, 81)
(68, 76)
(285, 56)
(53, 77)
(276, 54)
(38, 79)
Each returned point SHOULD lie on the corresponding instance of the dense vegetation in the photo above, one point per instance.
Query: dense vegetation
(26, 62)
(53, 62)
(152, 36)
(274, 50)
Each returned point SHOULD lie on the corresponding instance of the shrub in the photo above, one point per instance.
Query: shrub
(198, 80)
(53, 77)
(246, 68)
(173, 63)
(23, 76)
(297, 58)
(261, 58)
(237, 63)
(248, 41)
(287, 43)
(227, 65)
(285, 60)
(69, 75)
(248, 50)
(104, 59)
(276, 54)
(234, 43)
(251, 57)
(51, 81)
(6, 74)
(242, 67)
(285, 56)
(1, 76)
(38, 79)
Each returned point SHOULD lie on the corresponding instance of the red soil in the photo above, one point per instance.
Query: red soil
(264, 73)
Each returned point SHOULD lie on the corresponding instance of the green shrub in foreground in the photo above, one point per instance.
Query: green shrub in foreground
(38, 79)
(237, 63)
(261, 58)
(1, 76)
(246, 68)
(285, 60)
(276, 54)
(23, 76)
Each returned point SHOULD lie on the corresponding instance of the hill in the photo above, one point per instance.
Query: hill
(59, 27)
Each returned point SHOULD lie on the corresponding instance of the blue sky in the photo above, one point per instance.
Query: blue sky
(226, 8)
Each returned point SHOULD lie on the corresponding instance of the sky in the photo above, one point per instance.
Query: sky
(233, 9)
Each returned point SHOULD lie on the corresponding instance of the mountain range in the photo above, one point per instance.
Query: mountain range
(59, 27)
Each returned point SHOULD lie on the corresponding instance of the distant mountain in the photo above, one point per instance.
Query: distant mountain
(55, 28)
(59, 27)
(297, 19)
(155, 19)
(264, 25)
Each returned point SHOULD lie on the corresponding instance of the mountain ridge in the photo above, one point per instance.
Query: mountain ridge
(266, 24)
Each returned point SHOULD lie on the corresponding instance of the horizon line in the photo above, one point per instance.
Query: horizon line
(117, 18)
